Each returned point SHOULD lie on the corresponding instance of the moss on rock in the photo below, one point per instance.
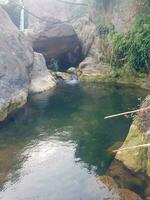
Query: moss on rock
(138, 159)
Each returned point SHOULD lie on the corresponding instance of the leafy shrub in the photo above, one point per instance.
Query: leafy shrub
(133, 49)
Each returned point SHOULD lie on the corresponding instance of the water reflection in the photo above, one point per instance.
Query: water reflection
(56, 144)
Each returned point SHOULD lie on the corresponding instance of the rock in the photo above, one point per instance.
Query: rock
(126, 194)
(20, 69)
(92, 66)
(113, 147)
(8, 154)
(110, 183)
(95, 71)
(41, 78)
(16, 59)
(125, 178)
(53, 39)
(71, 70)
(49, 8)
(138, 159)
(14, 12)
(119, 13)
(63, 75)
(87, 33)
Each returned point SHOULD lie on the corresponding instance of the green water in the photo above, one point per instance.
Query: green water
(54, 147)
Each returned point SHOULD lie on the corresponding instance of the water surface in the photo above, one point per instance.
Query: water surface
(55, 147)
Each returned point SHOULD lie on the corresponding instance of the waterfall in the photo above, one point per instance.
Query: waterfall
(22, 20)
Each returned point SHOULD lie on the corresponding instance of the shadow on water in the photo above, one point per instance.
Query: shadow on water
(68, 123)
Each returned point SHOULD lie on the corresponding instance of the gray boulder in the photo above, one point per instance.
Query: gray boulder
(87, 33)
(92, 70)
(53, 39)
(16, 59)
(92, 67)
(41, 78)
(137, 159)
(18, 74)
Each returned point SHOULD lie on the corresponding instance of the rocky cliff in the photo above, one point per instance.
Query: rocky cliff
(119, 13)
(98, 30)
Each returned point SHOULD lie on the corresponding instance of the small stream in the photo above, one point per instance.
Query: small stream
(55, 147)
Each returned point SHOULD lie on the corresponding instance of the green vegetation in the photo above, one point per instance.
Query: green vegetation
(133, 49)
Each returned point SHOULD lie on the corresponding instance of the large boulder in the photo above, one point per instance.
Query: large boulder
(126, 194)
(138, 158)
(41, 78)
(53, 39)
(92, 70)
(50, 8)
(17, 71)
(16, 59)
(92, 67)
(88, 36)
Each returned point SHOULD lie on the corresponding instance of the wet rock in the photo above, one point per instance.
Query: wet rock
(110, 183)
(138, 159)
(16, 59)
(146, 85)
(63, 75)
(7, 157)
(113, 147)
(126, 178)
(126, 194)
(123, 194)
(41, 78)
(71, 70)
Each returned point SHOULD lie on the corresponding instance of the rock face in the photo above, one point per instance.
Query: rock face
(87, 33)
(138, 159)
(17, 69)
(53, 38)
(91, 70)
(126, 194)
(120, 13)
(48, 8)
(119, 193)
(16, 59)
(89, 37)
(41, 78)
(92, 67)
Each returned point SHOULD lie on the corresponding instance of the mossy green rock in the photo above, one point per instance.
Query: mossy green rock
(138, 159)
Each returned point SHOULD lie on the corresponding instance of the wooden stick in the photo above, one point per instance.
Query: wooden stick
(133, 147)
(126, 113)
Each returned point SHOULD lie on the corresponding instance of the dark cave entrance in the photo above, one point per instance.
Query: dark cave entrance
(66, 60)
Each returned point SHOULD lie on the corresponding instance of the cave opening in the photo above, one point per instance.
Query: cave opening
(65, 61)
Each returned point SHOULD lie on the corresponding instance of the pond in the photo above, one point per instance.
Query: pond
(58, 143)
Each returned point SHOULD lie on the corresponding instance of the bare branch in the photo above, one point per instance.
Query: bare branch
(127, 113)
